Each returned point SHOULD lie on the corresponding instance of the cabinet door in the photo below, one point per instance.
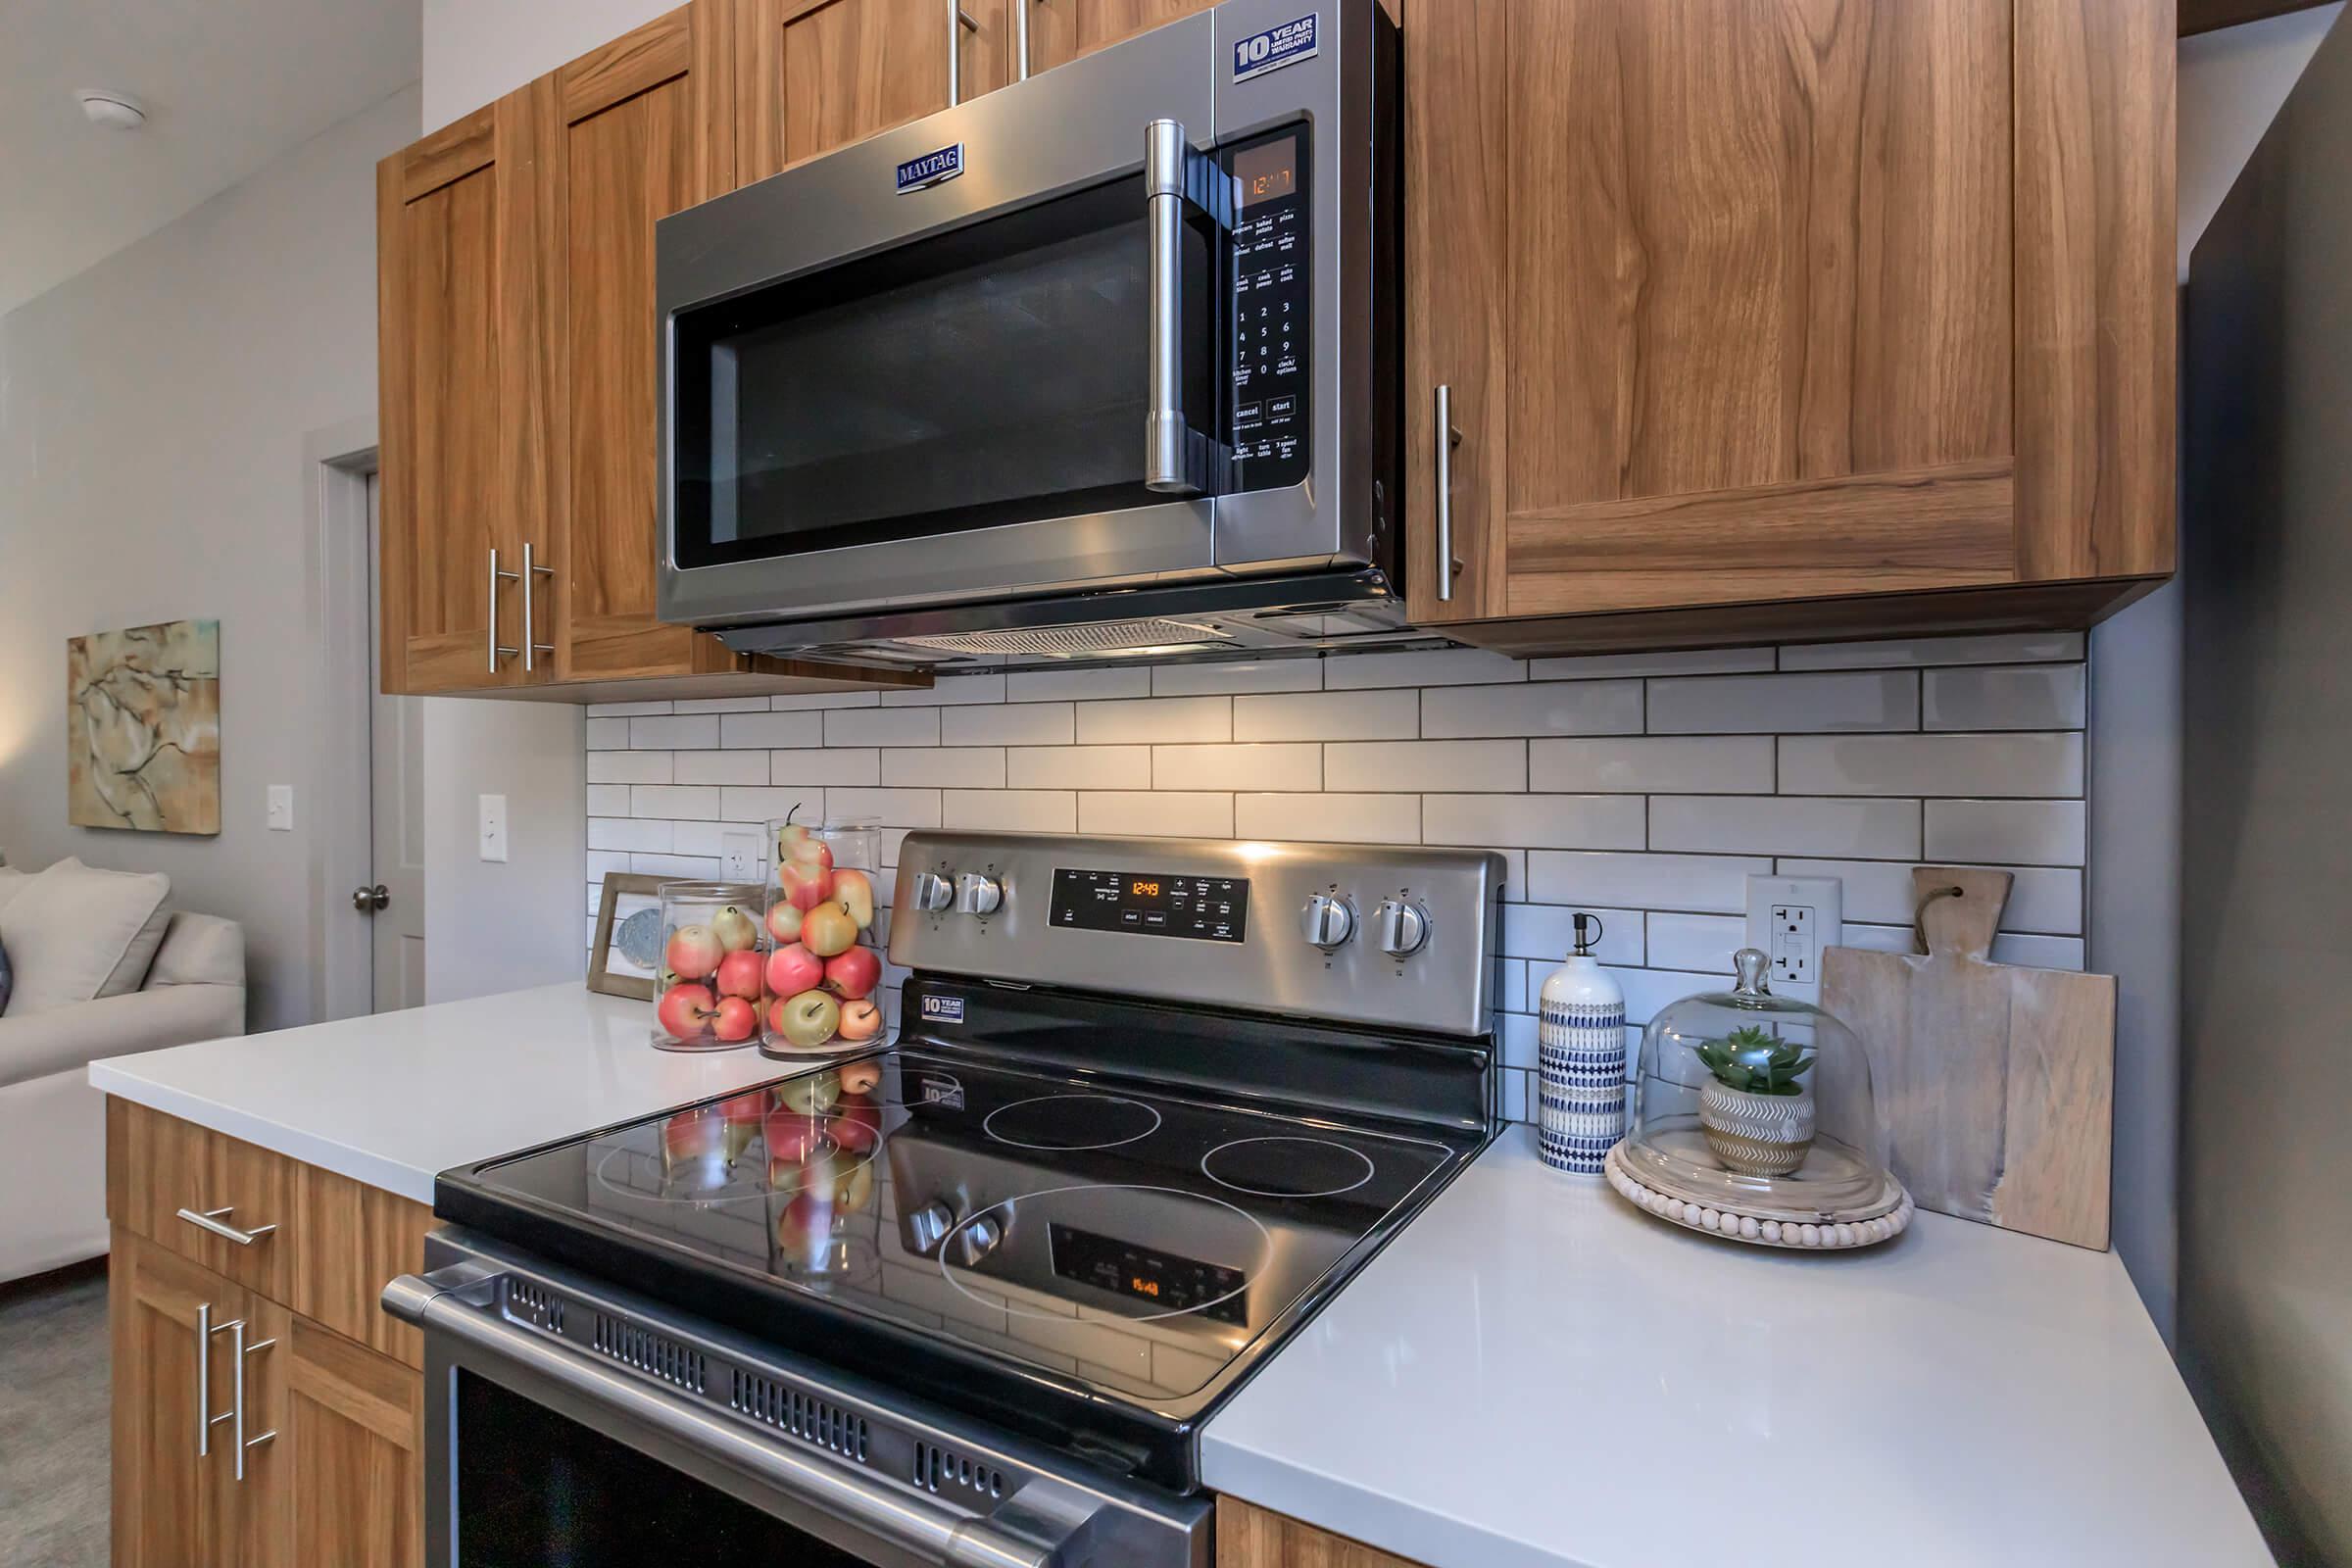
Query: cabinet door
(649, 127)
(1060, 30)
(353, 1441)
(1249, 1536)
(464, 251)
(175, 1390)
(819, 73)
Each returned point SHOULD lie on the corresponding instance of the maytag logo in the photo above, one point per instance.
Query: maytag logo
(1274, 48)
(921, 173)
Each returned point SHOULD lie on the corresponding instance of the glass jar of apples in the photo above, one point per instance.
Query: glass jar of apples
(825, 966)
(711, 991)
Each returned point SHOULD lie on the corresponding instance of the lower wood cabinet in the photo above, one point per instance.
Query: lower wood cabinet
(1249, 1536)
(354, 1451)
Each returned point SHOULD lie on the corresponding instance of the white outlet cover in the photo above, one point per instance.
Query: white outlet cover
(493, 827)
(281, 808)
(742, 854)
(1822, 899)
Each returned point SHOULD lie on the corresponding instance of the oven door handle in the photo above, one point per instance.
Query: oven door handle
(459, 1306)
(1180, 185)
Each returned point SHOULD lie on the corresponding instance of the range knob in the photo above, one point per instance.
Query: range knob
(933, 892)
(929, 1225)
(1401, 928)
(1327, 920)
(976, 1241)
(976, 893)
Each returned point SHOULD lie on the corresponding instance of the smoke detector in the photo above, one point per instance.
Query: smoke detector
(106, 107)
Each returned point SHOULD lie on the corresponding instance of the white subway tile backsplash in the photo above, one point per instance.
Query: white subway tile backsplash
(1328, 819)
(1652, 765)
(963, 767)
(1703, 943)
(720, 705)
(1686, 662)
(891, 808)
(600, 861)
(824, 764)
(609, 799)
(1786, 825)
(1647, 991)
(1998, 765)
(800, 702)
(1539, 707)
(1238, 676)
(2045, 900)
(950, 691)
(1150, 720)
(1015, 724)
(1774, 705)
(1084, 685)
(1010, 810)
(1544, 934)
(1382, 766)
(675, 801)
(1442, 667)
(608, 734)
(1703, 882)
(1236, 767)
(882, 726)
(669, 732)
(2003, 649)
(720, 768)
(627, 833)
(697, 867)
(2007, 832)
(1078, 768)
(1351, 715)
(2038, 953)
(698, 838)
(1994, 697)
(1534, 821)
(751, 803)
(626, 710)
(1157, 813)
(628, 768)
(801, 729)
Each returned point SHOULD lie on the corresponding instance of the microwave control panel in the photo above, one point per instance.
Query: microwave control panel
(1271, 293)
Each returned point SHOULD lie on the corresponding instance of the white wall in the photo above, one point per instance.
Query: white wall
(499, 926)
(152, 414)
(475, 50)
(2232, 85)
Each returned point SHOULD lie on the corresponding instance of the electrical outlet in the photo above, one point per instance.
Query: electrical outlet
(742, 854)
(1792, 919)
(281, 809)
(493, 821)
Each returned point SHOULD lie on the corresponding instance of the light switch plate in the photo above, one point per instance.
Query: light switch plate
(493, 833)
(1793, 918)
(742, 855)
(281, 809)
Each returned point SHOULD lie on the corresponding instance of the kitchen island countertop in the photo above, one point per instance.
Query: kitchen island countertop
(1536, 1375)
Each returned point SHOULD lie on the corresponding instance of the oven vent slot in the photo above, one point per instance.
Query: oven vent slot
(789, 1410)
(936, 1468)
(649, 1353)
(1110, 636)
(540, 1309)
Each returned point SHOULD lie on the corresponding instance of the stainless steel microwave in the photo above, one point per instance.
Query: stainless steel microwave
(1100, 364)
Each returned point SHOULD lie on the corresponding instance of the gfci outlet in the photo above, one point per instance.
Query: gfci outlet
(1791, 919)
(742, 854)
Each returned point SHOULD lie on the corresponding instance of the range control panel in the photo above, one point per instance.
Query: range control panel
(1270, 297)
(1371, 933)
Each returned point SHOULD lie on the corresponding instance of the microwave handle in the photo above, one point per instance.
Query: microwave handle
(1179, 185)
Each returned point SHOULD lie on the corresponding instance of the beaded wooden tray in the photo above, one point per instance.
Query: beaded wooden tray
(1881, 1220)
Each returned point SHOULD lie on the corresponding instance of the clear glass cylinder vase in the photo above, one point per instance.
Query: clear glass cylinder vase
(711, 992)
(824, 974)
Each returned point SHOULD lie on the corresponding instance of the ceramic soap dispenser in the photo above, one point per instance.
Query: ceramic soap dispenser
(1580, 1041)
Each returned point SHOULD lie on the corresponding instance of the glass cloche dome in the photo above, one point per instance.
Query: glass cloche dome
(1755, 1112)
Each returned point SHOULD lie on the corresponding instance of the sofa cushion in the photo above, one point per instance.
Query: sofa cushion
(74, 933)
(11, 880)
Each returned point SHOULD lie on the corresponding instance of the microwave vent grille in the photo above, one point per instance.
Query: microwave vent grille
(1108, 636)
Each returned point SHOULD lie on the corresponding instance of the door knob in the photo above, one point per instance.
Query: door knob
(369, 899)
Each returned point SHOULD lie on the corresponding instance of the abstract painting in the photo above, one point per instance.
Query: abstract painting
(143, 728)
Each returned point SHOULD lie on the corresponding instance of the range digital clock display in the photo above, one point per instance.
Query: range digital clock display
(1151, 904)
(1148, 1276)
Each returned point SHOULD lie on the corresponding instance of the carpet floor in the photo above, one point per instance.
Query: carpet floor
(53, 1421)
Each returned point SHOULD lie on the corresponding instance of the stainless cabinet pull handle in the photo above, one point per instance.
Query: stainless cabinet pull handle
(497, 652)
(1178, 459)
(530, 639)
(210, 1220)
(240, 1350)
(1020, 38)
(204, 1379)
(1448, 438)
(960, 22)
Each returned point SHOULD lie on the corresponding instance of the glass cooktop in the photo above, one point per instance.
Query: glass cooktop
(1134, 1240)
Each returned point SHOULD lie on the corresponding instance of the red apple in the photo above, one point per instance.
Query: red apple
(686, 1010)
(811, 1018)
(791, 1136)
(827, 930)
(792, 970)
(739, 975)
(738, 1019)
(856, 891)
(859, 1077)
(861, 1019)
(804, 884)
(783, 923)
(853, 972)
(735, 929)
(694, 952)
(856, 1125)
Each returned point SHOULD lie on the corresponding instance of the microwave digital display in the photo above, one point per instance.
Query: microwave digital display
(1267, 172)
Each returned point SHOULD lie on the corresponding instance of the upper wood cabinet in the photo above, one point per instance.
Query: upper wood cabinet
(1060, 30)
(467, 382)
(816, 74)
(1771, 317)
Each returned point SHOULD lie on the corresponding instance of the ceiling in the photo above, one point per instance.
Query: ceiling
(228, 86)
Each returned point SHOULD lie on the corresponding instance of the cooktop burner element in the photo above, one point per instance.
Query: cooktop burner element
(1071, 1123)
(1287, 1168)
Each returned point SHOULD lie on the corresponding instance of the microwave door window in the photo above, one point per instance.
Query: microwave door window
(993, 374)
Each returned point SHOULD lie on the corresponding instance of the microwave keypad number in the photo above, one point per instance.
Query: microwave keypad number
(1270, 299)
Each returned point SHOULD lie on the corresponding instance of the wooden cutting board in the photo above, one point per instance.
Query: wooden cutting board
(1996, 1083)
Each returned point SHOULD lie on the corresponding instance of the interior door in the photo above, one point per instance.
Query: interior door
(396, 795)
(819, 73)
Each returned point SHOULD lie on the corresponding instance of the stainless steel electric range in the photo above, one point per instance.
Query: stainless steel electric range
(968, 1300)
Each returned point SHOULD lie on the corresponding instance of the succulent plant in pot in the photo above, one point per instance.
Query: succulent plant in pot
(1754, 1111)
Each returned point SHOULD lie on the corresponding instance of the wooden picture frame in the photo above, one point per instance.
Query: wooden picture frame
(618, 885)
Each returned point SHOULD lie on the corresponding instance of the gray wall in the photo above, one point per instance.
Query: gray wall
(152, 414)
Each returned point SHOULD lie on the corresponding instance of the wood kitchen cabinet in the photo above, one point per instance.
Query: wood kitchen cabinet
(1062, 30)
(816, 74)
(354, 1430)
(1775, 317)
(1250, 1536)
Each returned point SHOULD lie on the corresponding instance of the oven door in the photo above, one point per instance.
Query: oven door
(564, 1427)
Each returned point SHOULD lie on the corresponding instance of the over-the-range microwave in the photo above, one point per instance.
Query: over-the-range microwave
(1102, 365)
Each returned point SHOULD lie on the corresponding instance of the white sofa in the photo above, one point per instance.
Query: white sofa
(53, 1123)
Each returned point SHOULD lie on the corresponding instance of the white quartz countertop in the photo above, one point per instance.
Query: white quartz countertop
(393, 1099)
(1534, 1373)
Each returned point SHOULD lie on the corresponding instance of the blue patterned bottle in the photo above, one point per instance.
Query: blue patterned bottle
(1579, 1043)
